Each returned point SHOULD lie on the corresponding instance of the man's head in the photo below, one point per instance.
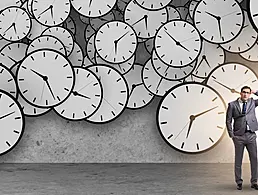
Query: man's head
(245, 93)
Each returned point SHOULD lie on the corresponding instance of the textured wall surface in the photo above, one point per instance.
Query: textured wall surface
(133, 137)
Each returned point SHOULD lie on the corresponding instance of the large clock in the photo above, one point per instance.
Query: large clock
(190, 124)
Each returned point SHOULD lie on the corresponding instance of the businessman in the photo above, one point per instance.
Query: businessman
(242, 113)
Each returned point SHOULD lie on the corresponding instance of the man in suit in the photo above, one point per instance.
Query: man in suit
(242, 112)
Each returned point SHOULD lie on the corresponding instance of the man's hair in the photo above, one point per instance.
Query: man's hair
(246, 87)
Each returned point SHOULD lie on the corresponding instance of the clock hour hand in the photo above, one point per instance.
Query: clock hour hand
(40, 75)
(90, 3)
(52, 12)
(205, 59)
(232, 90)
(12, 59)
(146, 21)
(7, 115)
(50, 7)
(139, 20)
(134, 86)
(219, 24)
(214, 16)
(9, 28)
(199, 64)
(192, 118)
(14, 27)
(75, 93)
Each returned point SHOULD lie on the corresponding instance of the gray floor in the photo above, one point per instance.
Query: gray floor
(73, 179)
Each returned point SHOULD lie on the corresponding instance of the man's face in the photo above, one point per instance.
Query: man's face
(245, 94)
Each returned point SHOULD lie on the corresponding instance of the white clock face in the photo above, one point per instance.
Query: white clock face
(12, 119)
(153, 4)
(96, 23)
(87, 94)
(46, 42)
(178, 43)
(197, 128)
(49, 12)
(228, 79)
(116, 42)
(15, 23)
(251, 54)
(169, 72)
(93, 8)
(7, 81)
(253, 13)
(12, 54)
(76, 57)
(245, 40)
(63, 35)
(153, 82)
(115, 94)
(45, 78)
(212, 55)
(139, 96)
(144, 22)
(30, 110)
(123, 67)
(218, 21)
(5, 4)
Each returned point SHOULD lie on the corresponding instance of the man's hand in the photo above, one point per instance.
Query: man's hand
(253, 91)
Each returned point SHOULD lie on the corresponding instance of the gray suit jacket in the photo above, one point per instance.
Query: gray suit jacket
(240, 120)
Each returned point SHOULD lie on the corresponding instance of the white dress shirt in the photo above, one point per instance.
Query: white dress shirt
(241, 107)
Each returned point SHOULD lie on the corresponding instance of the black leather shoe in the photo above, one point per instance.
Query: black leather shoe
(255, 186)
(239, 186)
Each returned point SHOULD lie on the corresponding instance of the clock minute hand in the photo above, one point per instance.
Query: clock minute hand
(232, 90)
(122, 36)
(139, 20)
(177, 42)
(45, 10)
(80, 95)
(6, 115)
(192, 118)
(214, 16)
(197, 115)
(42, 76)
(9, 28)
(49, 87)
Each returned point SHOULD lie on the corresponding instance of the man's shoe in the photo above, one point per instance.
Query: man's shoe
(255, 186)
(239, 186)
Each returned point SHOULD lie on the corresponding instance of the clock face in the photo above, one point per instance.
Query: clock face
(87, 94)
(51, 13)
(76, 57)
(63, 35)
(12, 54)
(70, 25)
(116, 42)
(211, 55)
(12, 119)
(93, 8)
(245, 40)
(88, 32)
(169, 72)
(253, 13)
(153, 4)
(198, 127)
(251, 54)
(96, 23)
(153, 82)
(192, 7)
(173, 13)
(178, 43)
(7, 81)
(218, 21)
(90, 49)
(228, 79)
(45, 78)
(139, 96)
(15, 23)
(46, 42)
(36, 29)
(5, 4)
(144, 22)
(115, 94)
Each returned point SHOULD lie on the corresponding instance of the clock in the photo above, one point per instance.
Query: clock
(85, 98)
(173, 13)
(51, 13)
(178, 43)
(115, 94)
(116, 42)
(154, 83)
(211, 55)
(139, 96)
(36, 29)
(153, 4)
(144, 22)
(12, 54)
(7, 81)
(30, 110)
(91, 49)
(45, 78)
(63, 35)
(229, 78)
(76, 57)
(251, 54)
(244, 41)
(123, 67)
(96, 23)
(88, 32)
(197, 128)
(93, 8)
(69, 24)
(5, 4)
(169, 72)
(46, 42)
(218, 21)
(15, 23)
(252, 7)
(13, 121)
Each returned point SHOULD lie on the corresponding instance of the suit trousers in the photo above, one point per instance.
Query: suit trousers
(248, 139)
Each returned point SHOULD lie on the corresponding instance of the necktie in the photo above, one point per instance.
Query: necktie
(244, 107)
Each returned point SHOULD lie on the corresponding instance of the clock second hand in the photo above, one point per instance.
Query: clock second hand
(108, 103)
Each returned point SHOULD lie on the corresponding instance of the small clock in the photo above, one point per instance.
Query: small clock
(45, 78)
(116, 42)
(205, 118)
(115, 94)
(85, 98)
(13, 121)
(15, 23)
